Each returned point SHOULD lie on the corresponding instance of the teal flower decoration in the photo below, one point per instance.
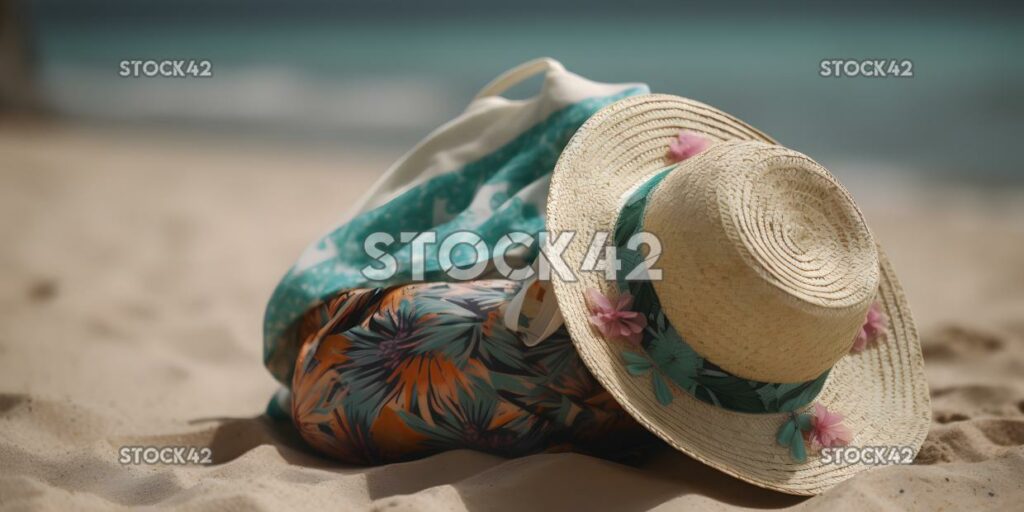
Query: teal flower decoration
(791, 434)
(673, 357)
(639, 364)
(661, 391)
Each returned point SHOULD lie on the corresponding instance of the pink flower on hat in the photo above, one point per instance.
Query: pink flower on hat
(874, 328)
(686, 145)
(616, 320)
(827, 430)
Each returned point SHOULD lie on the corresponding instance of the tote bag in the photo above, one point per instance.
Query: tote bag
(486, 171)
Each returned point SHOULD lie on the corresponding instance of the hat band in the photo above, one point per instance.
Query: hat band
(667, 354)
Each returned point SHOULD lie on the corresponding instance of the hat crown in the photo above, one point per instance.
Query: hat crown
(768, 265)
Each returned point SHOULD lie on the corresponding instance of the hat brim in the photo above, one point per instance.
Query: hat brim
(882, 391)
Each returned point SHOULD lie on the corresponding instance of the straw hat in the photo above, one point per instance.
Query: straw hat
(769, 273)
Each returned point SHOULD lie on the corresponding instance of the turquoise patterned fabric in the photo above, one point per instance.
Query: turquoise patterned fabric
(502, 192)
(669, 359)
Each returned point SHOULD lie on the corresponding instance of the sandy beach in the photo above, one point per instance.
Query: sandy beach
(135, 270)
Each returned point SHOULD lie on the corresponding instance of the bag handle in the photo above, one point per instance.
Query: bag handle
(517, 75)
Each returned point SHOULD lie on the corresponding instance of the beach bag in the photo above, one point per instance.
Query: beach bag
(486, 172)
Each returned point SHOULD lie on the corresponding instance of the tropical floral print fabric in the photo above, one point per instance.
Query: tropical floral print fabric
(390, 374)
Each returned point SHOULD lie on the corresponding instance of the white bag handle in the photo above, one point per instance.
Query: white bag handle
(517, 74)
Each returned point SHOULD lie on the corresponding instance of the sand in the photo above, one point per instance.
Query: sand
(135, 270)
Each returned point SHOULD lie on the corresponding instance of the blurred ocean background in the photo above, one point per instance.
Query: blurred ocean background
(384, 74)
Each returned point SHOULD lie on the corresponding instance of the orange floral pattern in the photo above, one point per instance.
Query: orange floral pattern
(393, 374)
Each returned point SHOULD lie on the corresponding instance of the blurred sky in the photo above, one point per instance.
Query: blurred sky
(385, 73)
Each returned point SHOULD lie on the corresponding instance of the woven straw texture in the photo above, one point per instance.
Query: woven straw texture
(882, 391)
(771, 268)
